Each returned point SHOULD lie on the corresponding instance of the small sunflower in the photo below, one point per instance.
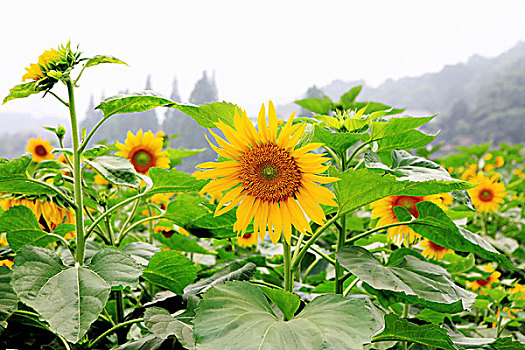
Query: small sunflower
(36, 71)
(518, 288)
(7, 262)
(487, 196)
(41, 149)
(168, 229)
(433, 250)
(384, 210)
(247, 240)
(144, 151)
(272, 182)
(470, 172)
(493, 278)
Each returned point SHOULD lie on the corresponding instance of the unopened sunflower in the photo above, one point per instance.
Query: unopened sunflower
(384, 210)
(40, 149)
(488, 195)
(493, 278)
(45, 61)
(273, 183)
(247, 240)
(144, 151)
(433, 250)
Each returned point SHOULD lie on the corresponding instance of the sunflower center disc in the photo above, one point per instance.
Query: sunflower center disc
(40, 150)
(269, 173)
(486, 195)
(435, 247)
(142, 158)
(409, 203)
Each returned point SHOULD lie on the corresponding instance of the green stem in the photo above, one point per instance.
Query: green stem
(310, 268)
(341, 237)
(51, 187)
(405, 316)
(358, 148)
(64, 341)
(263, 283)
(135, 224)
(112, 329)
(332, 154)
(129, 218)
(91, 133)
(498, 329)
(119, 300)
(288, 273)
(350, 286)
(58, 98)
(369, 232)
(77, 175)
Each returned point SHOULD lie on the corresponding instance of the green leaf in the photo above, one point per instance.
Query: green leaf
(507, 343)
(397, 329)
(23, 90)
(363, 186)
(338, 141)
(435, 225)
(182, 243)
(70, 299)
(328, 322)
(176, 155)
(316, 105)
(117, 268)
(97, 151)
(13, 178)
(211, 226)
(287, 302)
(162, 324)
(171, 270)
(208, 114)
(103, 59)
(165, 181)
(8, 298)
(383, 129)
(433, 317)
(22, 229)
(348, 98)
(406, 140)
(233, 272)
(116, 170)
(411, 280)
(140, 251)
(137, 102)
(372, 107)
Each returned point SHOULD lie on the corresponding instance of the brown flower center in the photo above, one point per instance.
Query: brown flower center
(409, 203)
(435, 247)
(142, 159)
(269, 173)
(247, 236)
(40, 151)
(486, 195)
(482, 283)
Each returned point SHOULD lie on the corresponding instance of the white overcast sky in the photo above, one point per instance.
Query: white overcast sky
(259, 50)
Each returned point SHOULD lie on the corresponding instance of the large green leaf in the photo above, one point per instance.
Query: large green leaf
(394, 126)
(339, 141)
(23, 90)
(435, 225)
(99, 59)
(165, 181)
(132, 103)
(208, 114)
(68, 298)
(211, 226)
(406, 140)
(288, 303)
(162, 324)
(140, 251)
(171, 270)
(410, 280)
(316, 105)
(397, 329)
(349, 97)
(117, 268)
(13, 178)
(233, 272)
(182, 243)
(116, 170)
(237, 316)
(8, 298)
(22, 229)
(363, 186)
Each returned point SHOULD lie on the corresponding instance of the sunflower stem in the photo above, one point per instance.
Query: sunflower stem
(288, 273)
(77, 175)
(350, 286)
(376, 229)
(133, 225)
(339, 270)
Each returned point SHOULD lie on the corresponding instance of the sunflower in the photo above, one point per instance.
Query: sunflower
(168, 229)
(488, 195)
(272, 182)
(36, 71)
(247, 240)
(7, 262)
(49, 214)
(384, 210)
(41, 149)
(493, 278)
(518, 288)
(144, 151)
(433, 250)
(469, 173)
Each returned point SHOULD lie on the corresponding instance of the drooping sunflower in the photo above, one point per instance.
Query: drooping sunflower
(433, 250)
(41, 149)
(384, 210)
(168, 229)
(48, 213)
(247, 240)
(493, 278)
(7, 262)
(144, 151)
(35, 71)
(273, 183)
(487, 196)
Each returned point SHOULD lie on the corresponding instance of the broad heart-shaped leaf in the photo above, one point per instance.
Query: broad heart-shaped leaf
(22, 229)
(339, 141)
(103, 59)
(68, 298)
(182, 243)
(411, 280)
(316, 105)
(162, 324)
(397, 329)
(363, 186)
(233, 272)
(287, 302)
(349, 97)
(435, 225)
(237, 316)
(8, 298)
(383, 129)
(165, 181)
(132, 103)
(13, 178)
(140, 251)
(117, 268)
(23, 90)
(171, 270)
(208, 114)
(406, 140)
(116, 170)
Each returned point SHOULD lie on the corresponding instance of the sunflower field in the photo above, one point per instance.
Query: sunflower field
(346, 229)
